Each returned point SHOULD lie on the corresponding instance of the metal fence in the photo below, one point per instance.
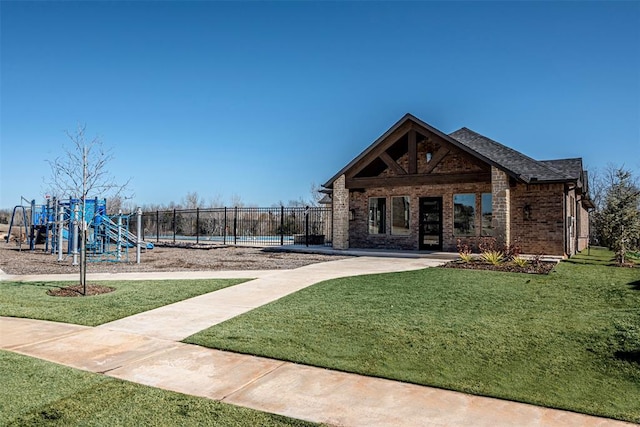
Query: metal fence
(240, 226)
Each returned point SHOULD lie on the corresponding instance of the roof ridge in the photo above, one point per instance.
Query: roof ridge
(539, 162)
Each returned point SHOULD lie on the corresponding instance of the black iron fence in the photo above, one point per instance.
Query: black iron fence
(240, 226)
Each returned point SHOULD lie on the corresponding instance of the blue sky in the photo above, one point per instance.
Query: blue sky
(262, 99)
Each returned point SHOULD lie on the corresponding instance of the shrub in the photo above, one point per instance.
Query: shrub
(464, 251)
(492, 257)
(520, 262)
(489, 251)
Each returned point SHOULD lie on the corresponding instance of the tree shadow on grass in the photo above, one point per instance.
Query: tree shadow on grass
(628, 356)
(635, 285)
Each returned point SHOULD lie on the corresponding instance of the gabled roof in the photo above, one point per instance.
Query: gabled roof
(570, 167)
(510, 161)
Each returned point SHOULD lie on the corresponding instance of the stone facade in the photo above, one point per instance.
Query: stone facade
(340, 214)
(501, 199)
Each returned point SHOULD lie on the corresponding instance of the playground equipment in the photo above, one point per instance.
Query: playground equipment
(57, 221)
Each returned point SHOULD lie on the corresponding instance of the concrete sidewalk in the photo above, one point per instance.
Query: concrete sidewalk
(201, 312)
(143, 349)
(284, 388)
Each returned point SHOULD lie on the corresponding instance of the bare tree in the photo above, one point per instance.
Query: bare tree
(236, 201)
(192, 201)
(80, 172)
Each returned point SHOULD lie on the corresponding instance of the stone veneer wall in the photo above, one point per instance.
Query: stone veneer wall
(501, 203)
(340, 205)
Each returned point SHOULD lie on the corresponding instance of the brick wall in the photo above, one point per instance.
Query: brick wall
(583, 228)
(359, 236)
(543, 230)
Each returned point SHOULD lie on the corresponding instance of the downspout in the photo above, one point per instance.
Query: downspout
(565, 229)
(578, 226)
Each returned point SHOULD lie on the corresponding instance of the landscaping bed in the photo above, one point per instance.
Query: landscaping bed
(540, 267)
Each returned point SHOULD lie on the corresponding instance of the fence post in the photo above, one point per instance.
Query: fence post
(157, 226)
(281, 225)
(174, 226)
(306, 225)
(119, 242)
(224, 229)
(197, 225)
(139, 232)
(235, 226)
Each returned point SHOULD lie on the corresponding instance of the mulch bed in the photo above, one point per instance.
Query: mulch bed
(542, 267)
(76, 291)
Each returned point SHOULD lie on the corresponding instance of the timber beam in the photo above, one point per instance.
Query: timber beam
(413, 179)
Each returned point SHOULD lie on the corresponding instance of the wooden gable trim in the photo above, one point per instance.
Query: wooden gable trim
(411, 180)
(392, 164)
(438, 156)
(391, 136)
(413, 152)
(379, 149)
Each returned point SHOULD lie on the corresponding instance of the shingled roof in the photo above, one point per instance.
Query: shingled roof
(516, 163)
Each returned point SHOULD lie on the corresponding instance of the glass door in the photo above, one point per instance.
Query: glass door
(430, 223)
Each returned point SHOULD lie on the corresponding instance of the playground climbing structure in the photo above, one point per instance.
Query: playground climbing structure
(58, 224)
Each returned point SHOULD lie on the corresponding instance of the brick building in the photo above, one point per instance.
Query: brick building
(417, 188)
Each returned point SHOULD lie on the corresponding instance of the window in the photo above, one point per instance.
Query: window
(377, 215)
(487, 214)
(400, 215)
(464, 206)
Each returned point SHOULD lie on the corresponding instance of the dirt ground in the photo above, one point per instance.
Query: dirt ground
(161, 258)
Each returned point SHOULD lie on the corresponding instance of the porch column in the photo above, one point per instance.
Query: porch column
(500, 202)
(340, 214)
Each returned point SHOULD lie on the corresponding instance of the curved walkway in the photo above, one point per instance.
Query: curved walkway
(143, 349)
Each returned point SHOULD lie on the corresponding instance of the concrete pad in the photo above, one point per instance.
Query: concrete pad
(197, 371)
(339, 398)
(96, 350)
(17, 332)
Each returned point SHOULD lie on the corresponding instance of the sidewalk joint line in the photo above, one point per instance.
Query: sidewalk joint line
(253, 381)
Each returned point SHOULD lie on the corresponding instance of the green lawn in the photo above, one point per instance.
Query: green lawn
(39, 393)
(600, 256)
(31, 300)
(569, 340)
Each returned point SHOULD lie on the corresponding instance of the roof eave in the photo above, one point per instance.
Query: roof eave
(329, 184)
(449, 139)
